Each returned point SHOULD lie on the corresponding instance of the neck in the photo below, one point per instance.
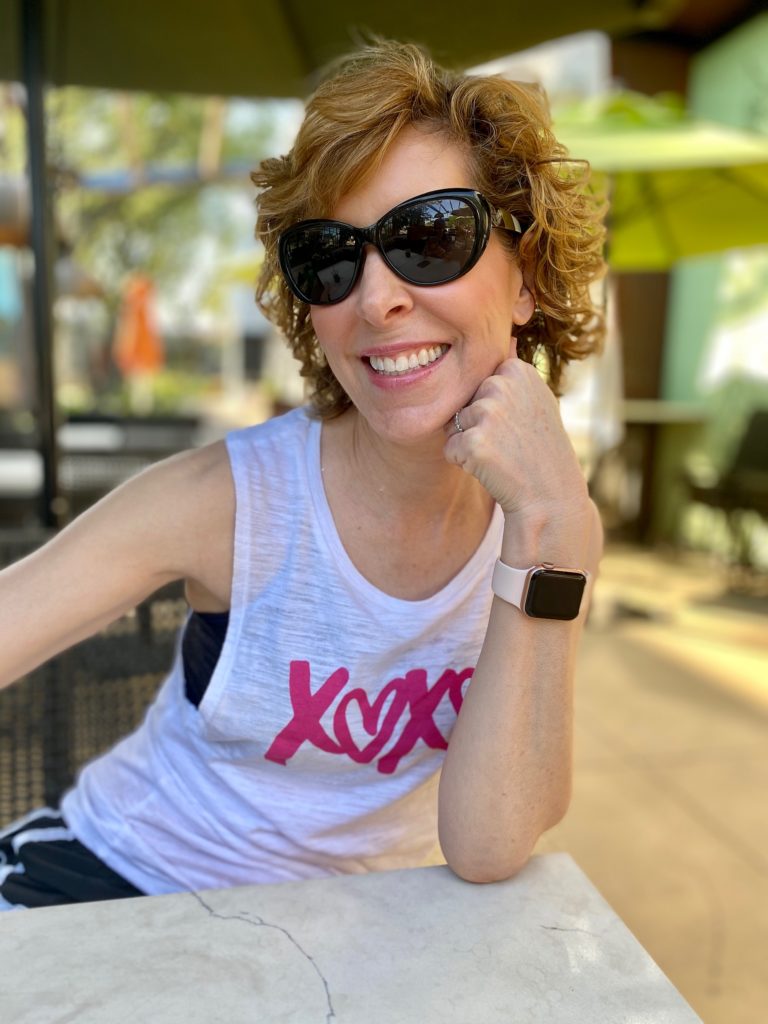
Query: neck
(408, 519)
(412, 481)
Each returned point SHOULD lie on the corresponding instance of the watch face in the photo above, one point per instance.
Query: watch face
(554, 594)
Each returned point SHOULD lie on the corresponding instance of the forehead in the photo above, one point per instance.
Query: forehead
(417, 161)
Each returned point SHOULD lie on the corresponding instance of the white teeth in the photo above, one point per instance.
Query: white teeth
(403, 363)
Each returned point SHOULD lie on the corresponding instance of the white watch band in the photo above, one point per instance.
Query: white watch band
(508, 583)
(512, 585)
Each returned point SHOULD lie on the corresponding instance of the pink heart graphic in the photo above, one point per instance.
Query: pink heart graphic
(370, 714)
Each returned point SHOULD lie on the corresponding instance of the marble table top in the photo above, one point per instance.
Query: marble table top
(401, 947)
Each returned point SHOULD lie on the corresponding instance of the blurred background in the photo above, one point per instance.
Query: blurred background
(128, 331)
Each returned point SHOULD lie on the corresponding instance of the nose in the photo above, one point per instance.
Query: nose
(380, 294)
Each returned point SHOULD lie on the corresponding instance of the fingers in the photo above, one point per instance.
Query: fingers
(458, 442)
(469, 415)
(458, 423)
(513, 384)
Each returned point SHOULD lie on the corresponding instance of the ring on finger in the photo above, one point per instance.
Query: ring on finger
(457, 422)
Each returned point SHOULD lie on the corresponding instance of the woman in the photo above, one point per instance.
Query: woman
(423, 243)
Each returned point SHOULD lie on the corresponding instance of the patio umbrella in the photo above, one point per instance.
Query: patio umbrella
(678, 187)
(272, 47)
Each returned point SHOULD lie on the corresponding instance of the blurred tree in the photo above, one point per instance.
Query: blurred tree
(132, 193)
(150, 183)
(12, 138)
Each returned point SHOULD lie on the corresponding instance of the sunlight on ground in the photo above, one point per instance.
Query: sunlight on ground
(719, 662)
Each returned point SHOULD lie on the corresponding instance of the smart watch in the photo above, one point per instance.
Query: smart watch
(544, 591)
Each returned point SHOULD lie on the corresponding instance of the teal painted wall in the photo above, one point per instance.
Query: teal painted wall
(691, 317)
(728, 83)
(729, 80)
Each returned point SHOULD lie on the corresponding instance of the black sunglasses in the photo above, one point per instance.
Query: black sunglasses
(428, 240)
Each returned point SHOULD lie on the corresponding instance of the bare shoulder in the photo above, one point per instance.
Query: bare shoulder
(187, 488)
(193, 467)
(202, 476)
(175, 520)
(193, 497)
(205, 485)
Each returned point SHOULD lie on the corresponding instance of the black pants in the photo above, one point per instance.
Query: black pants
(43, 865)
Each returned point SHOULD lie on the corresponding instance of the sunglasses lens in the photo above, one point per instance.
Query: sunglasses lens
(320, 261)
(430, 241)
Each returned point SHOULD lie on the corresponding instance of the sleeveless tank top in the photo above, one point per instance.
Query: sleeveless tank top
(317, 744)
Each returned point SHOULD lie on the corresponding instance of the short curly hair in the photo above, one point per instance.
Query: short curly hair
(353, 118)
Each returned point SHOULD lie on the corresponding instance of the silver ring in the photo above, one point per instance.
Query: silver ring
(457, 422)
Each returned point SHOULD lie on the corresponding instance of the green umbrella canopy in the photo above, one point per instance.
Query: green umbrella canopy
(272, 47)
(678, 187)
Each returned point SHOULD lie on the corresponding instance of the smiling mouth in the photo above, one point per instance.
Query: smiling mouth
(407, 361)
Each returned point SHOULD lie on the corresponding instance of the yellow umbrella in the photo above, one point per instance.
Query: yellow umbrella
(677, 187)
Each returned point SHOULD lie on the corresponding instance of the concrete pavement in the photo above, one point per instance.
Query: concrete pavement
(669, 817)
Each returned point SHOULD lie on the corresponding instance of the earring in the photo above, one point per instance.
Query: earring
(537, 317)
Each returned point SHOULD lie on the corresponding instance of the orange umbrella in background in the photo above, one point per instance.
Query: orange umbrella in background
(138, 347)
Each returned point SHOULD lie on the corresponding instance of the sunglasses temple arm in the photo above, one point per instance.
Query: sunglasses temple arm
(503, 218)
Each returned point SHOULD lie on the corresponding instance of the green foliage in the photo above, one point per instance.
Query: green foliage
(12, 134)
(159, 184)
(107, 148)
(730, 409)
(625, 109)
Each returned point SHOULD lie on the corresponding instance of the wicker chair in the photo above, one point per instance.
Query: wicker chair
(82, 701)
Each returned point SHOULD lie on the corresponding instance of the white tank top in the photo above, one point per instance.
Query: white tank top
(317, 746)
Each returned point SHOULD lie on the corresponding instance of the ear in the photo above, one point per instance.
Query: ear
(524, 303)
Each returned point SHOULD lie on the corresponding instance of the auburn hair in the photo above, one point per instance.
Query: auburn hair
(351, 120)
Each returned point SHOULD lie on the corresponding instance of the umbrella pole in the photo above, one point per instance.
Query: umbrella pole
(33, 71)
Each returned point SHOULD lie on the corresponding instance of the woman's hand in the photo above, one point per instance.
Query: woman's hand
(513, 441)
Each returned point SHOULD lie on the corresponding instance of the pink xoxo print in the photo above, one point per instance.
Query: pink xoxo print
(409, 696)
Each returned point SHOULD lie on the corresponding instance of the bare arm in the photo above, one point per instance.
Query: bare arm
(507, 773)
(172, 521)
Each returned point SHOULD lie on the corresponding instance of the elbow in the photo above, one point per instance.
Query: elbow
(559, 808)
(479, 875)
(481, 868)
(484, 863)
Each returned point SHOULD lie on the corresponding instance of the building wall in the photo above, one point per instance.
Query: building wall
(674, 359)
(716, 347)
(728, 83)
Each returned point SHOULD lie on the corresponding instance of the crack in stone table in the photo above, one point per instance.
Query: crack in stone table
(261, 923)
(415, 946)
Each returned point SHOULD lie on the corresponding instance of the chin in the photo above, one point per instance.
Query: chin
(408, 426)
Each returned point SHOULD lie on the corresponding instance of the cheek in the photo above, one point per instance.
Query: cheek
(490, 332)
(322, 324)
(495, 315)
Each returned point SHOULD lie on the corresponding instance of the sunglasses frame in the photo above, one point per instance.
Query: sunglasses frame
(487, 217)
